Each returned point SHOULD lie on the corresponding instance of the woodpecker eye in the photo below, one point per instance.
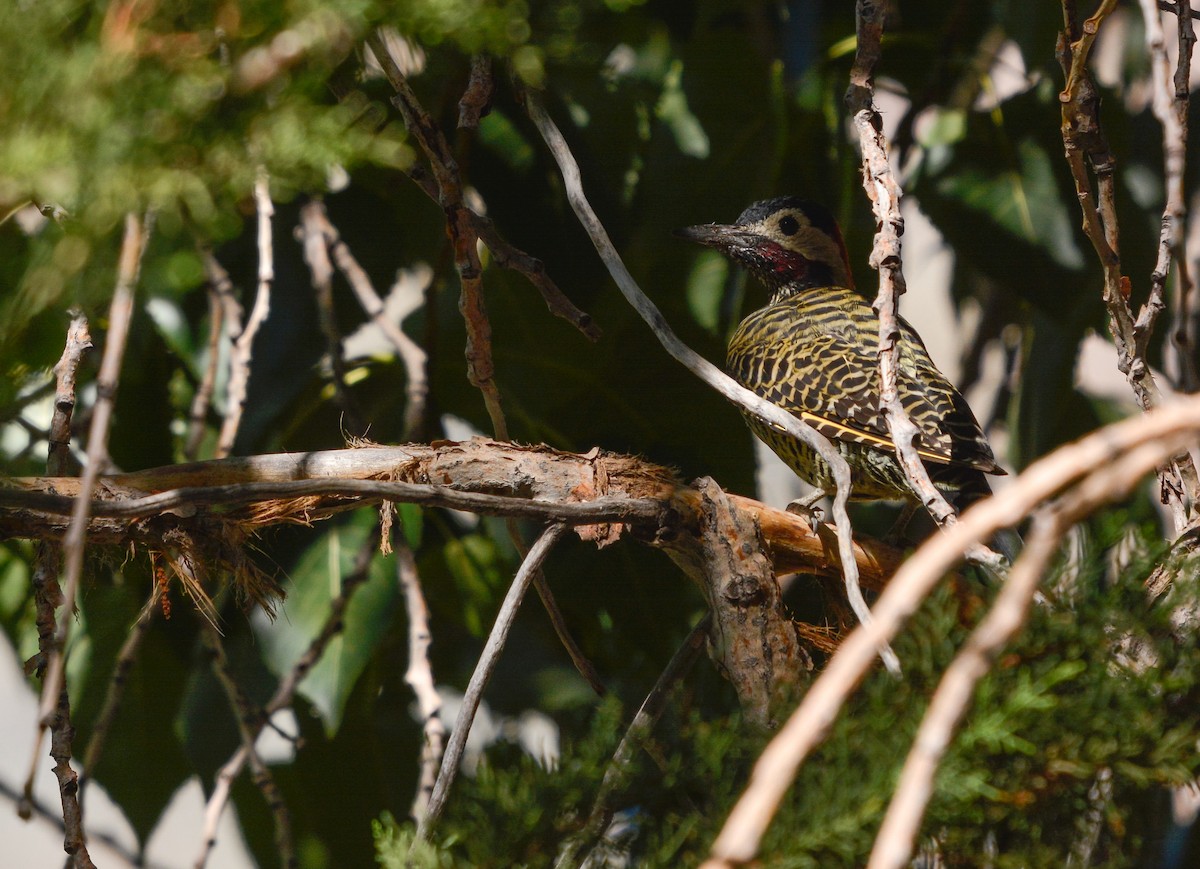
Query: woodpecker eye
(788, 225)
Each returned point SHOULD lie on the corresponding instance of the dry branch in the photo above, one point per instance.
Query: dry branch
(1085, 144)
(708, 373)
(482, 474)
(1169, 427)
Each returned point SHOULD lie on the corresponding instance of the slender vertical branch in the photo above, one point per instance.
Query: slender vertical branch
(316, 254)
(459, 226)
(55, 710)
(243, 340)
(483, 673)
(410, 352)
(884, 192)
(419, 676)
(1085, 144)
(202, 400)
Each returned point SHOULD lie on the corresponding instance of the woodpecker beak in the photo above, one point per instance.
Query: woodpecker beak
(723, 237)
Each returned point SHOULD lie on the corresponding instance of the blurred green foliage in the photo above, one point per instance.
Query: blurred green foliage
(678, 114)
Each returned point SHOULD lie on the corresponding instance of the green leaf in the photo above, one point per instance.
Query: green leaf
(317, 579)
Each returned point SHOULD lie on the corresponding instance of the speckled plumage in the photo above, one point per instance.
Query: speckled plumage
(813, 351)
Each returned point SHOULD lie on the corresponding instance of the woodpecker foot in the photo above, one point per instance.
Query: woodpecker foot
(807, 508)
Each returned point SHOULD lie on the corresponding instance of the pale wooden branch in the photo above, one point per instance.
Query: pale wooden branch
(545, 478)
(1101, 485)
(311, 234)
(410, 352)
(884, 192)
(54, 710)
(483, 672)
(419, 676)
(243, 338)
(1171, 427)
(202, 400)
(703, 369)
(282, 698)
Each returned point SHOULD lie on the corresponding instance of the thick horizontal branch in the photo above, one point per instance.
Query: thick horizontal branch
(600, 493)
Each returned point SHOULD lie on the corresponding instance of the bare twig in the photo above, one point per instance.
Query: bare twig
(1103, 484)
(55, 710)
(250, 722)
(1084, 143)
(738, 842)
(284, 692)
(483, 672)
(202, 400)
(703, 369)
(620, 769)
(884, 192)
(462, 233)
(47, 593)
(116, 686)
(79, 341)
(411, 354)
(477, 100)
(243, 340)
(419, 676)
(316, 254)
(508, 257)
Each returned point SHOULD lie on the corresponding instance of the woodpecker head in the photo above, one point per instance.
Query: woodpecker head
(788, 243)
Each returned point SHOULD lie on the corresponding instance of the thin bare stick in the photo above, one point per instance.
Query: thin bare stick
(894, 844)
(284, 692)
(419, 676)
(483, 673)
(620, 769)
(410, 352)
(316, 254)
(55, 710)
(1084, 143)
(463, 238)
(79, 341)
(1172, 425)
(250, 721)
(243, 341)
(202, 400)
(693, 361)
(507, 256)
(47, 593)
(116, 686)
(884, 192)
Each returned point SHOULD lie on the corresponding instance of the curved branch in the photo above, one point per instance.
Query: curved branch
(1174, 425)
